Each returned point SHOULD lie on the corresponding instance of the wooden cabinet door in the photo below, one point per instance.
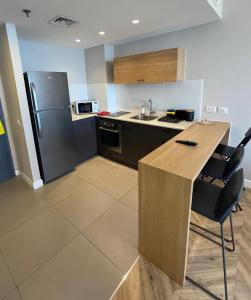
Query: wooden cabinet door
(85, 138)
(159, 66)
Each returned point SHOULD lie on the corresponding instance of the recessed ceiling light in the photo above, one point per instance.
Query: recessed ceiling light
(135, 21)
(77, 40)
(101, 33)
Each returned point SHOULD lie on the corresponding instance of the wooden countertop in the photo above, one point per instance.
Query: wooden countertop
(186, 161)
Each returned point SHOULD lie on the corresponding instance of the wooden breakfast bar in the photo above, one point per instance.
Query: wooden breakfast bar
(166, 178)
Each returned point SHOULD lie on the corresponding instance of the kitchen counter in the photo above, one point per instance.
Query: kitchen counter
(76, 117)
(127, 118)
(166, 178)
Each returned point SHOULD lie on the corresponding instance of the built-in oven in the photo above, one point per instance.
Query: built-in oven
(110, 135)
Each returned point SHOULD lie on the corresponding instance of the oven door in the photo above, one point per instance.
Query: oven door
(85, 107)
(110, 139)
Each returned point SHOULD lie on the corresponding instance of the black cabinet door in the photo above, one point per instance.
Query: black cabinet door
(135, 142)
(160, 135)
(85, 138)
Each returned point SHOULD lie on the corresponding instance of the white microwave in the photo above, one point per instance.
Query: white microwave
(86, 107)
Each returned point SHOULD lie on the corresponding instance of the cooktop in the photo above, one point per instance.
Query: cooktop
(119, 113)
(169, 119)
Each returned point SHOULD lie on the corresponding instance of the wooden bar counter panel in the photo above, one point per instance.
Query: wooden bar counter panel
(166, 179)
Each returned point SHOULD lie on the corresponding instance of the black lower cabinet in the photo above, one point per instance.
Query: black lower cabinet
(135, 143)
(160, 135)
(137, 140)
(85, 138)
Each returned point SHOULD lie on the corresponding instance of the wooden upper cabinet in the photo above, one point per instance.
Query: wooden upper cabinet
(152, 67)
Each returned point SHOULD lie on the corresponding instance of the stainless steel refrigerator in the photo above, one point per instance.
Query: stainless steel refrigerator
(50, 110)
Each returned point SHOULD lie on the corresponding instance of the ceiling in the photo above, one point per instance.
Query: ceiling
(112, 16)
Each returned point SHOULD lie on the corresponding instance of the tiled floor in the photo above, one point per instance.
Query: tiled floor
(73, 239)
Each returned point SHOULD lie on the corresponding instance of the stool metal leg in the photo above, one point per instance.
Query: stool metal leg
(216, 235)
(224, 261)
(232, 232)
(202, 288)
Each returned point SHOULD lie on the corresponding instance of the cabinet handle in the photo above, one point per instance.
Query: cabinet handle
(140, 80)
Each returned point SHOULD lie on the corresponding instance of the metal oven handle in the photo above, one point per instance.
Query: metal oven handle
(110, 130)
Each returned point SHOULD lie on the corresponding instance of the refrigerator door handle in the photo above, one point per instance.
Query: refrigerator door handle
(34, 96)
(38, 124)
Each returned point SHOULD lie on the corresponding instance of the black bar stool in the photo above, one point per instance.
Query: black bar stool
(216, 204)
(223, 169)
(228, 151)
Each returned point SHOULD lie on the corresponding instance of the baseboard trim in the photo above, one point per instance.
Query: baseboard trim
(247, 183)
(35, 185)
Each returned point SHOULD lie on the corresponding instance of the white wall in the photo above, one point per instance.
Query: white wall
(44, 57)
(15, 100)
(219, 53)
(99, 69)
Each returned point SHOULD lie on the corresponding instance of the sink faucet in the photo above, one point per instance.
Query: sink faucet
(151, 109)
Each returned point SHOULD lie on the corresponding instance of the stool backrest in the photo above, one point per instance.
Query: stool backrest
(246, 139)
(229, 196)
(234, 162)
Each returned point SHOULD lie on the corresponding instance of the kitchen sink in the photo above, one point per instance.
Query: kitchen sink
(144, 117)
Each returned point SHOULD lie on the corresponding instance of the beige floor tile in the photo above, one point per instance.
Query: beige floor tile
(131, 199)
(117, 249)
(79, 271)
(62, 187)
(14, 295)
(116, 183)
(115, 233)
(6, 282)
(128, 170)
(13, 186)
(84, 205)
(18, 204)
(32, 244)
(94, 168)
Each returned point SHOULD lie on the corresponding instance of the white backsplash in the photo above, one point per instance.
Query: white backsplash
(77, 92)
(178, 95)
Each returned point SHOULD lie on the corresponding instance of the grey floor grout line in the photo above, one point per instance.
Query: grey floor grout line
(11, 275)
(24, 222)
(99, 250)
(51, 206)
(51, 257)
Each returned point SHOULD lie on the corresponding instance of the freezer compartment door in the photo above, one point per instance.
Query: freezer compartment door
(54, 142)
(47, 90)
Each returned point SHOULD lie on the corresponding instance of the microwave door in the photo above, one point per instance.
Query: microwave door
(85, 108)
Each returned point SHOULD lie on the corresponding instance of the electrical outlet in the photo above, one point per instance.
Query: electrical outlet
(222, 110)
(210, 109)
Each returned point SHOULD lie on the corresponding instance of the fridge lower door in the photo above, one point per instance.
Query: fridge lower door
(54, 142)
